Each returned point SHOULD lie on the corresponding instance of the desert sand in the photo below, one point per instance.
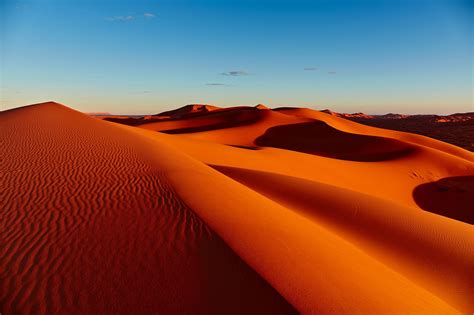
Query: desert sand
(209, 210)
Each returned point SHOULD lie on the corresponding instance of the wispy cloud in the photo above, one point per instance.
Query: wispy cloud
(331, 72)
(310, 69)
(216, 84)
(126, 18)
(235, 73)
(121, 18)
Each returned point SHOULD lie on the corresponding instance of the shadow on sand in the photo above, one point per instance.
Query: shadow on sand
(318, 138)
(452, 197)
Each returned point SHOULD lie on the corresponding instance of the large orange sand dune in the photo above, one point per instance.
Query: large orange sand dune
(241, 210)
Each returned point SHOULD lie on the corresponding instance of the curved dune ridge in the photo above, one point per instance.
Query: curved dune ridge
(188, 110)
(240, 210)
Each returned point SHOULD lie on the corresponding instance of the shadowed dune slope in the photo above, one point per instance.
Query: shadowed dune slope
(188, 110)
(233, 126)
(451, 197)
(90, 224)
(321, 139)
(218, 119)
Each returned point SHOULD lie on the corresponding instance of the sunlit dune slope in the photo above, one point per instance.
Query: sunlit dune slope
(431, 250)
(240, 210)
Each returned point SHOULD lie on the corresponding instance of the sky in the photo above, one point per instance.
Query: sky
(144, 57)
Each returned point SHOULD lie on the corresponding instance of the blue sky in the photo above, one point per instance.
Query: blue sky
(374, 56)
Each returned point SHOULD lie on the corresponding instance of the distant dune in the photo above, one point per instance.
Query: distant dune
(244, 210)
(457, 129)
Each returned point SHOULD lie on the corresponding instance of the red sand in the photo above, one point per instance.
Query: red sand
(236, 211)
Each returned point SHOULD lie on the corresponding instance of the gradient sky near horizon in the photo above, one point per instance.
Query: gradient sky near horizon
(140, 57)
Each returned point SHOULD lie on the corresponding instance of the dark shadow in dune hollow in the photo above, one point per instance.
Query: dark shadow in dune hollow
(452, 197)
(318, 138)
(220, 120)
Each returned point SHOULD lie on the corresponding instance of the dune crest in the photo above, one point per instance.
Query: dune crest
(188, 110)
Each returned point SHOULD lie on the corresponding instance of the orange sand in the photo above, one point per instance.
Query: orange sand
(241, 210)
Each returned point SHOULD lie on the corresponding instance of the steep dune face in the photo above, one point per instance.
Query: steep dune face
(90, 224)
(295, 211)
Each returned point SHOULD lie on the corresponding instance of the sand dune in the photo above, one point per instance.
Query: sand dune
(240, 210)
(92, 225)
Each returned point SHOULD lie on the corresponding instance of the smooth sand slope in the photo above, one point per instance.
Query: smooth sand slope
(244, 210)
